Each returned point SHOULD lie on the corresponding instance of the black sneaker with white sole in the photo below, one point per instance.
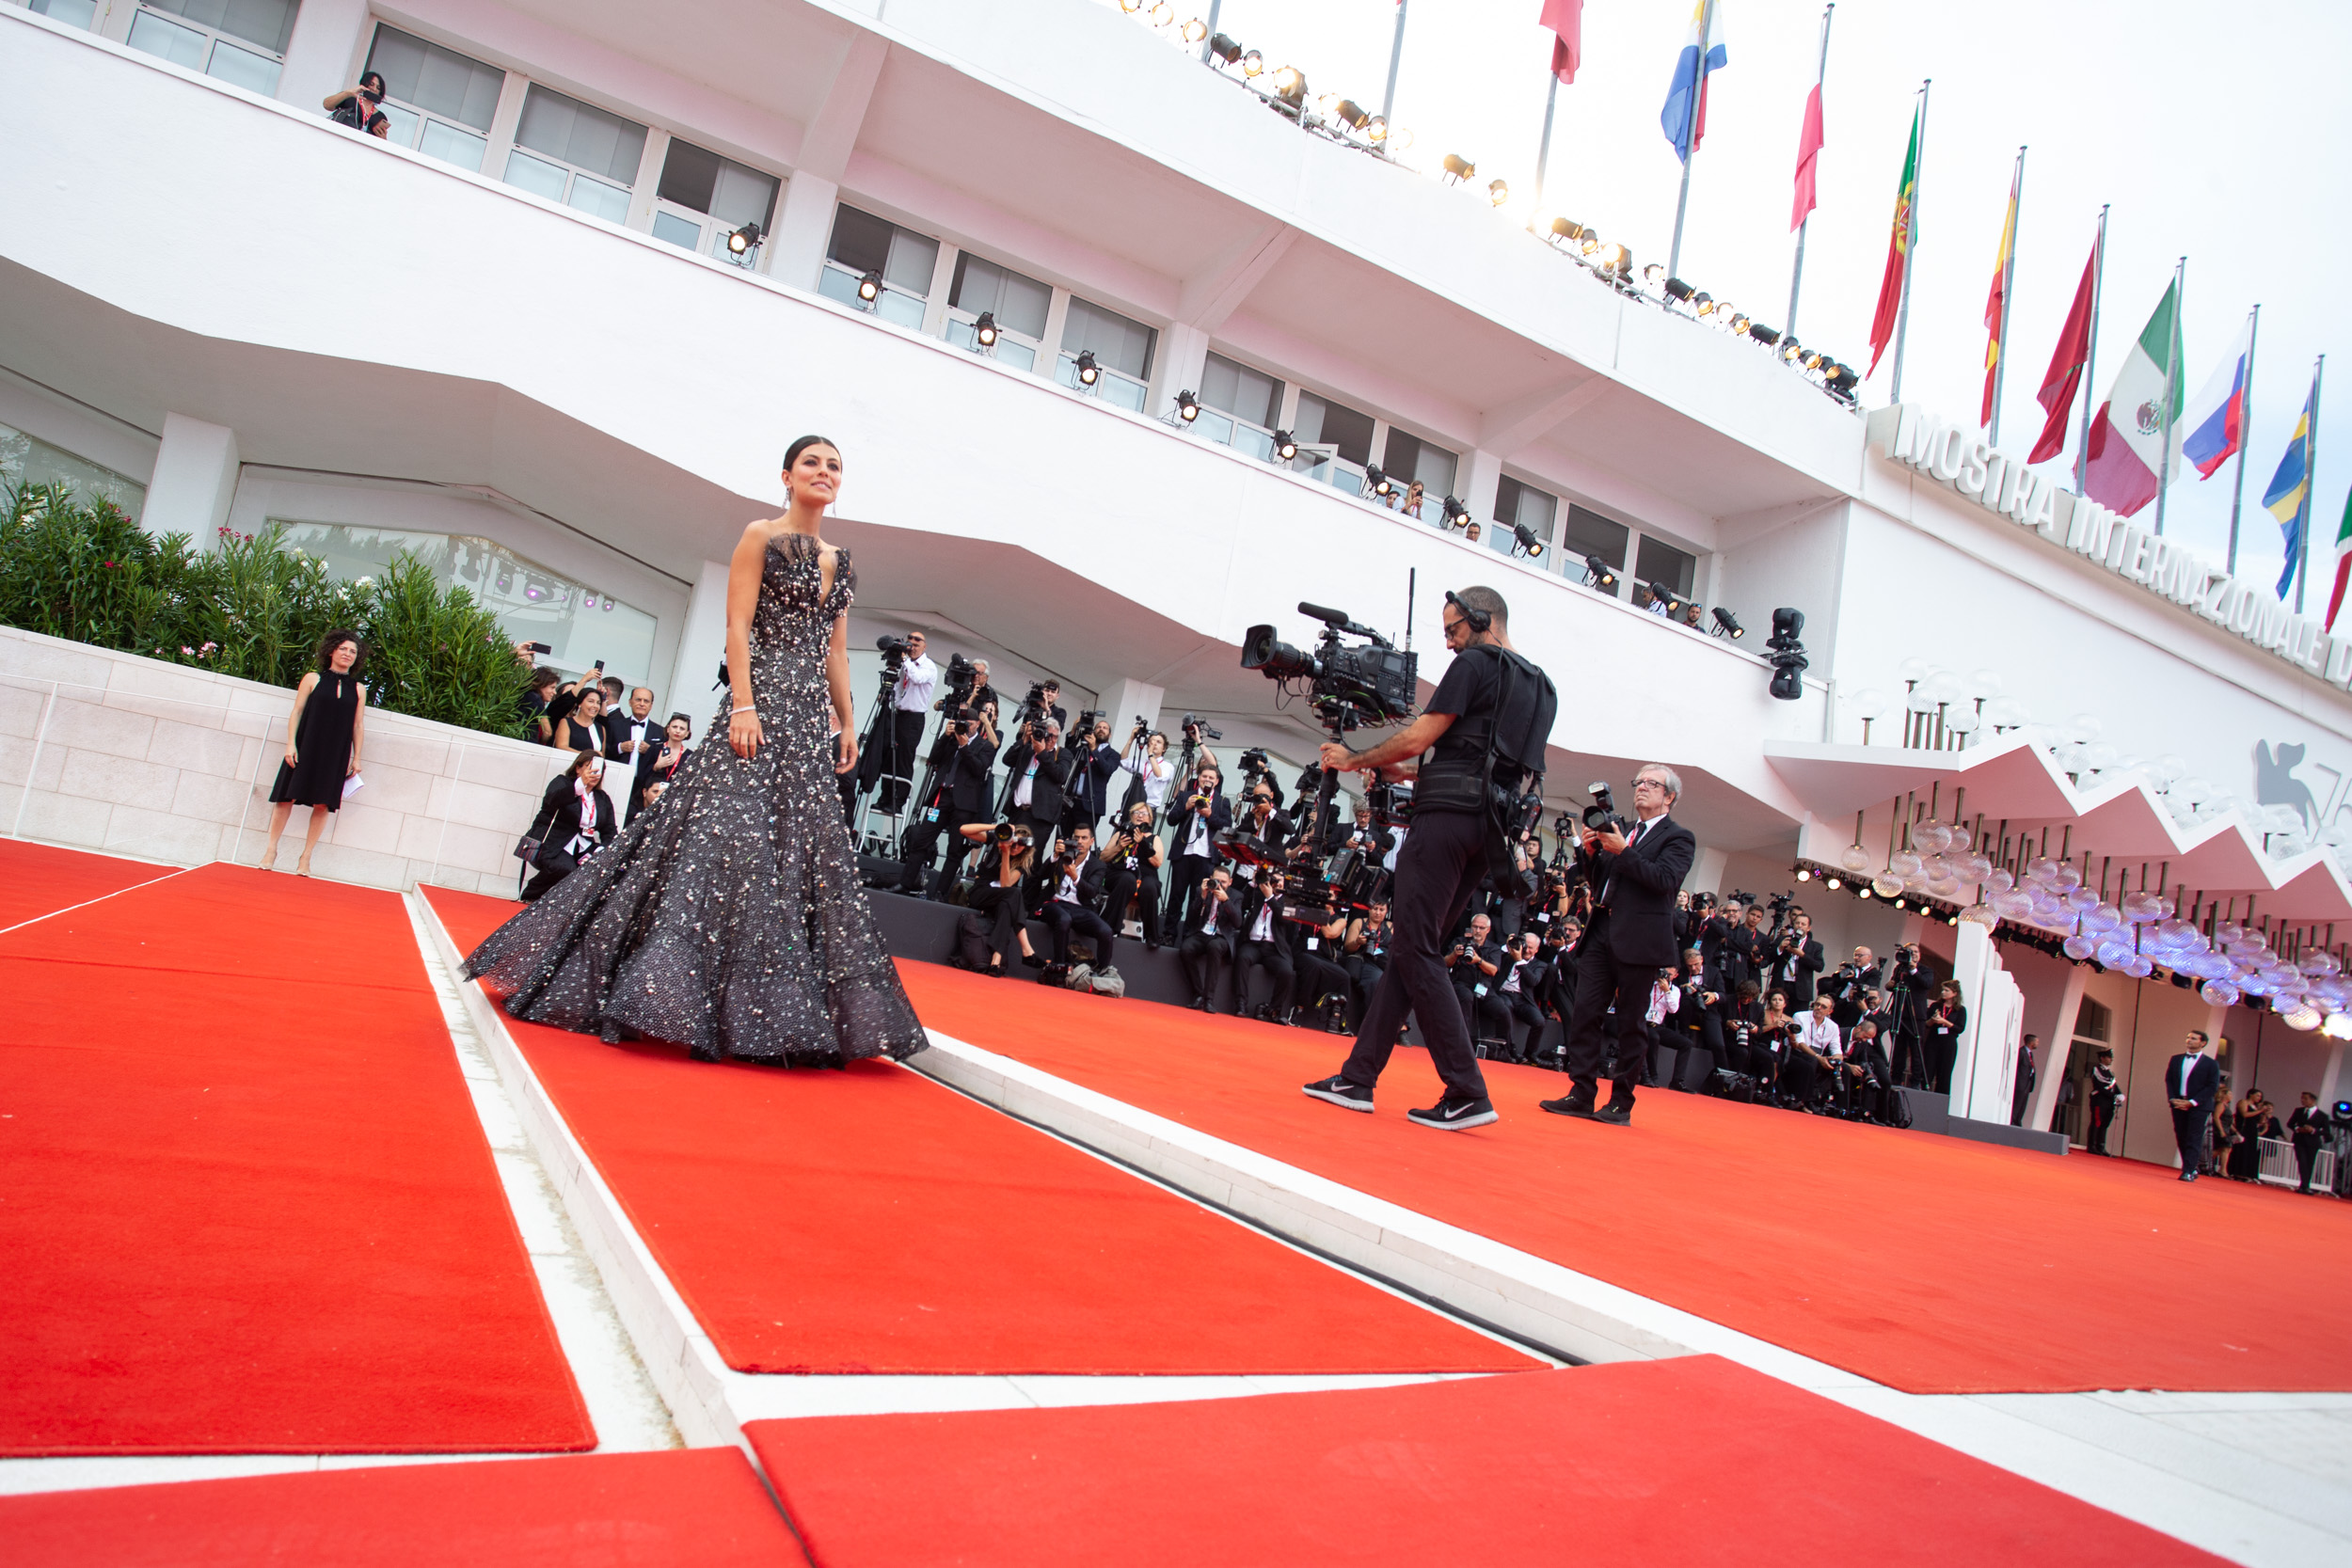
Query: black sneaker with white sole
(1339, 1091)
(1455, 1112)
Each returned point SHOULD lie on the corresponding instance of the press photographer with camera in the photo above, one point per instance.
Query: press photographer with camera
(1697, 1019)
(1323, 986)
(1132, 856)
(1909, 986)
(1848, 984)
(1474, 960)
(1262, 818)
(1638, 868)
(994, 927)
(1364, 955)
(1094, 759)
(1146, 758)
(1038, 773)
(1077, 876)
(961, 761)
(1512, 999)
(1206, 947)
(1201, 813)
(1795, 958)
(1265, 945)
(1817, 1054)
(895, 736)
(1194, 756)
(1481, 740)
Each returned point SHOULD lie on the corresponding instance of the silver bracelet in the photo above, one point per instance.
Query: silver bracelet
(747, 707)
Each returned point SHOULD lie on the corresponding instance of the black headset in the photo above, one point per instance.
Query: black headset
(1477, 620)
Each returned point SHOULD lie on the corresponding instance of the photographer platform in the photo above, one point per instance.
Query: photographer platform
(1480, 741)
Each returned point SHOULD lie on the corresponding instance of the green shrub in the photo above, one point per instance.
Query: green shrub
(251, 609)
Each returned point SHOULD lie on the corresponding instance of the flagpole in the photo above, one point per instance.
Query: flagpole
(1215, 6)
(2009, 296)
(2172, 390)
(1911, 242)
(2091, 350)
(1796, 272)
(1543, 149)
(1691, 134)
(2311, 480)
(2245, 439)
(1396, 53)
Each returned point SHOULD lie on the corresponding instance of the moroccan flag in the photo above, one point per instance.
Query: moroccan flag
(2343, 562)
(1808, 149)
(1997, 303)
(1898, 251)
(1565, 19)
(2289, 496)
(2065, 375)
(1693, 67)
(2126, 449)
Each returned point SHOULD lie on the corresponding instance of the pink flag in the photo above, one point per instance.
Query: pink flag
(1566, 18)
(1808, 154)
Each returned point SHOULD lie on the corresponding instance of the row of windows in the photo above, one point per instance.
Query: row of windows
(240, 41)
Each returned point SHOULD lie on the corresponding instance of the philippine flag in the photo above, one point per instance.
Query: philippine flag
(1691, 69)
(2217, 415)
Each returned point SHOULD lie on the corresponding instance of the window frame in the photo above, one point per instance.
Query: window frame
(712, 241)
(214, 38)
(1041, 359)
(573, 172)
(425, 117)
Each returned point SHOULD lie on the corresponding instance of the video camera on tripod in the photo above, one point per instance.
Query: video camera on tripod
(962, 678)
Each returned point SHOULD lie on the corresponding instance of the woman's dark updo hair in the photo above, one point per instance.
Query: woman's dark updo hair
(792, 452)
(336, 638)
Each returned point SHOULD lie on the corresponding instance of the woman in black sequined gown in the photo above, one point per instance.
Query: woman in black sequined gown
(728, 917)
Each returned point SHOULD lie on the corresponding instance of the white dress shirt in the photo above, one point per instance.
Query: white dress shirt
(918, 677)
(1262, 928)
(1822, 1035)
(2188, 1064)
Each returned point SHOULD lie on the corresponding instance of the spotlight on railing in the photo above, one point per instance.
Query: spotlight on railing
(1088, 372)
(1458, 169)
(1598, 575)
(869, 287)
(984, 329)
(1285, 445)
(1187, 405)
(742, 240)
(1728, 625)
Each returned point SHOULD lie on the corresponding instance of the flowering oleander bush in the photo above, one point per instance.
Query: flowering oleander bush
(250, 608)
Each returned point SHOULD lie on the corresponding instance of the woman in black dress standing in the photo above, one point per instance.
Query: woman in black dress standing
(1946, 1021)
(323, 739)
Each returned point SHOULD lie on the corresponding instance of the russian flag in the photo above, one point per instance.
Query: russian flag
(1690, 76)
(2217, 415)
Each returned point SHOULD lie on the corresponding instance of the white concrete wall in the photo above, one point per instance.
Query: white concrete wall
(155, 761)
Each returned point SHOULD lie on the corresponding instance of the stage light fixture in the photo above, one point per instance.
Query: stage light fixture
(1498, 191)
(1378, 483)
(1350, 114)
(1285, 445)
(1833, 884)
(1196, 30)
(1701, 302)
(1290, 87)
(1787, 656)
(1740, 324)
(1598, 575)
(1398, 139)
(1805, 872)
(1253, 64)
(1841, 381)
(869, 287)
(1768, 335)
(1672, 600)
(1223, 50)
(1187, 406)
(1564, 228)
(1654, 274)
(1615, 261)
(1457, 515)
(1376, 130)
(1792, 353)
(1131, 7)
(1589, 242)
(1525, 542)
(1676, 288)
(1087, 370)
(984, 329)
(741, 242)
(1458, 169)
(1728, 625)
(1163, 13)
(1815, 359)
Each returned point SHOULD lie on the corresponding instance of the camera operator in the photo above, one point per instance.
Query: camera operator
(1132, 856)
(1077, 878)
(1196, 758)
(1909, 985)
(1201, 813)
(1094, 759)
(1795, 958)
(962, 760)
(1697, 1019)
(1365, 955)
(993, 925)
(1816, 1052)
(1264, 945)
(1743, 1023)
(1629, 940)
(1848, 984)
(1474, 961)
(1484, 731)
(1038, 771)
(892, 741)
(1206, 948)
(1146, 757)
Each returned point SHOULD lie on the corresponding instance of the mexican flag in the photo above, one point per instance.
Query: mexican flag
(2126, 447)
(2344, 563)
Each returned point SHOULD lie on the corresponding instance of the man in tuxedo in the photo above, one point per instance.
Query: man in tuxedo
(1793, 960)
(1632, 936)
(1076, 888)
(1265, 946)
(2191, 1080)
(1198, 816)
(632, 739)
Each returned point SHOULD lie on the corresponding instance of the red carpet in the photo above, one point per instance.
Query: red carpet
(1688, 1460)
(701, 1506)
(871, 1221)
(245, 1203)
(1925, 1262)
(36, 879)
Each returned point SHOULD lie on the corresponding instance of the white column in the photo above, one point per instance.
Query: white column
(796, 251)
(2328, 1079)
(1128, 698)
(1478, 493)
(195, 479)
(2054, 1065)
(323, 55)
(1183, 355)
(702, 646)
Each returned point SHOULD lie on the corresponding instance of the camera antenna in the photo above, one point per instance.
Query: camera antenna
(1412, 575)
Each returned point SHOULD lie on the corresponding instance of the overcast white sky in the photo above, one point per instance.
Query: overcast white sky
(2216, 132)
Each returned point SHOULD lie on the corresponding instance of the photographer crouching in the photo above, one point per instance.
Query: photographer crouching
(1483, 734)
(1638, 868)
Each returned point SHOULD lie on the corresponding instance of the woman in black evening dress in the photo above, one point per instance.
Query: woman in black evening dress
(728, 916)
(323, 738)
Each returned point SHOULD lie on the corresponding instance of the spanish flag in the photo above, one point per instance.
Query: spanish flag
(1997, 303)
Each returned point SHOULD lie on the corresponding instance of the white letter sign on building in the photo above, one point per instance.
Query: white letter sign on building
(1957, 458)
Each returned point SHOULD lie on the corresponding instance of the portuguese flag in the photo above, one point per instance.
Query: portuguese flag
(1897, 249)
(2126, 448)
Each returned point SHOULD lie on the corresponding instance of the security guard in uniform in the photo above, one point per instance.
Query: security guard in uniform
(1484, 731)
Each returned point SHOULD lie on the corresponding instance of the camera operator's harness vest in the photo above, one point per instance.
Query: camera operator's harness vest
(1512, 733)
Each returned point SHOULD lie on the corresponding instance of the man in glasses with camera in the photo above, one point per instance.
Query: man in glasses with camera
(1484, 733)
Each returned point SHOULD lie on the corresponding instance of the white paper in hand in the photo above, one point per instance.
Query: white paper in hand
(353, 784)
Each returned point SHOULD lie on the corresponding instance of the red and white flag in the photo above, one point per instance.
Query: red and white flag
(1565, 19)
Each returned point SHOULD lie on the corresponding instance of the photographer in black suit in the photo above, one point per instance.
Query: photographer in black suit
(1199, 815)
(1264, 945)
(1477, 964)
(1133, 856)
(1631, 939)
(1793, 960)
(1038, 773)
(1206, 946)
(961, 759)
(1512, 997)
(1075, 876)
(1485, 732)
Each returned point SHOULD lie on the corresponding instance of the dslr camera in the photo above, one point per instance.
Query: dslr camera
(1195, 728)
(1601, 815)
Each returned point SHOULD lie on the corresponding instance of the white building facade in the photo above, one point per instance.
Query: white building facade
(513, 336)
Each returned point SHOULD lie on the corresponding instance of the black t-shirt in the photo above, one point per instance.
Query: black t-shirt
(1469, 690)
(1473, 691)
